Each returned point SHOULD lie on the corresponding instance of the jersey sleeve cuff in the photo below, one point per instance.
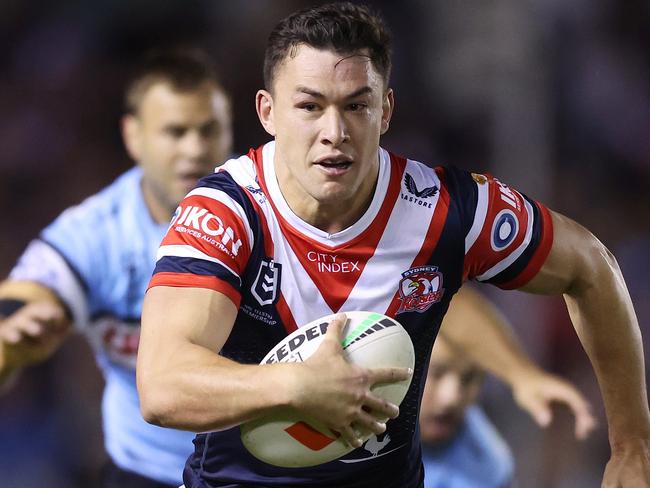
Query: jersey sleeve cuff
(540, 255)
(194, 281)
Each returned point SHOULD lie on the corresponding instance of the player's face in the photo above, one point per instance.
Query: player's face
(177, 137)
(453, 384)
(327, 112)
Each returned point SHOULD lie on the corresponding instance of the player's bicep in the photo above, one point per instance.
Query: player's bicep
(571, 252)
(174, 316)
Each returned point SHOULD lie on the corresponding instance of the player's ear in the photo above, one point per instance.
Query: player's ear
(131, 136)
(264, 107)
(387, 105)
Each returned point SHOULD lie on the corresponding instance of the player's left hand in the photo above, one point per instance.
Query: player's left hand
(537, 391)
(629, 466)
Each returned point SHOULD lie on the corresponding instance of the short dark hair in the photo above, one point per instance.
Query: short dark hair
(184, 69)
(343, 27)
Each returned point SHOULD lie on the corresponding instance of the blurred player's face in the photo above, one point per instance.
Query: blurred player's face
(453, 384)
(327, 112)
(177, 137)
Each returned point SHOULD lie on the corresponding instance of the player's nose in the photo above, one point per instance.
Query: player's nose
(194, 145)
(449, 392)
(334, 130)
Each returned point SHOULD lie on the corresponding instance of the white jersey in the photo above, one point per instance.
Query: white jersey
(425, 231)
(98, 257)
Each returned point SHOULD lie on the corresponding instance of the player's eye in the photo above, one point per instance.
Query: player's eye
(469, 378)
(437, 372)
(175, 131)
(210, 129)
(309, 107)
(355, 107)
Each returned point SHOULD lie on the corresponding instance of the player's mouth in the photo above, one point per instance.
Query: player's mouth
(334, 165)
(443, 421)
(437, 428)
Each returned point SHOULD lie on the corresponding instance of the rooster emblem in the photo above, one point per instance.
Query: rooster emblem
(374, 445)
(420, 288)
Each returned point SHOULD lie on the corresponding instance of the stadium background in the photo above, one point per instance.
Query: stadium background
(551, 96)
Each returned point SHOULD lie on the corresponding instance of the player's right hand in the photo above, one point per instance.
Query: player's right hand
(337, 393)
(32, 334)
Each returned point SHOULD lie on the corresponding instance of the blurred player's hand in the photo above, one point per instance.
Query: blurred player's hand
(32, 334)
(537, 391)
(629, 466)
(337, 393)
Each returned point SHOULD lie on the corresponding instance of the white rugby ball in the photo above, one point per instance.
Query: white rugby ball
(370, 340)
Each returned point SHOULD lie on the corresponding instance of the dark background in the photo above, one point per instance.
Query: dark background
(551, 96)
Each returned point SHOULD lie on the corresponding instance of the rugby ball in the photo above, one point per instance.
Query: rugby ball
(370, 340)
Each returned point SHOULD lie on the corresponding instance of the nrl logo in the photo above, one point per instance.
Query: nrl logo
(413, 189)
(267, 283)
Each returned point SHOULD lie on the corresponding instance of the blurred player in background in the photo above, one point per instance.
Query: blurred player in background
(460, 446)
(88, 270)
(410, 236)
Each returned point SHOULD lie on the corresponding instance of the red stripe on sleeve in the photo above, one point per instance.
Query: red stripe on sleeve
(482, 256)
(219, 219)
(539, 256)
(188, 280)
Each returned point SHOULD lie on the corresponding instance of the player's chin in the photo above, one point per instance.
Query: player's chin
(333, 192)
(184, 186)
(435, 432)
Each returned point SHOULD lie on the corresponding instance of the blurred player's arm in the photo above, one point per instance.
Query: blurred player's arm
(184, 383)
(33, 325)
(474, 325)
(580, 267)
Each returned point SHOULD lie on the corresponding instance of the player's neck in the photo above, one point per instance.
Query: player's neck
(333, 218)
(329, 215)
(158, 208)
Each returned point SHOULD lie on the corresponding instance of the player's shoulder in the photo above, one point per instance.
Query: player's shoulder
(240, 170)
(235, 181)
(108, 203)
(95, 217)
(447, 175)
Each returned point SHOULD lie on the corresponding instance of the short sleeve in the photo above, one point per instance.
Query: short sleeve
(66, 258)
(510, 235)
(208, 243)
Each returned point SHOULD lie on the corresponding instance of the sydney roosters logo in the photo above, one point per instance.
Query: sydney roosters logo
(419, 288)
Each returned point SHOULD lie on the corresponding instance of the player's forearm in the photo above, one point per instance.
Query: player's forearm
(604, 318)
(202, 391)
(484, 335)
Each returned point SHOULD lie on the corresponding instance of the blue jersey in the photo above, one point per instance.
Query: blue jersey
(98, 257)
(477, 457)
(425, 231)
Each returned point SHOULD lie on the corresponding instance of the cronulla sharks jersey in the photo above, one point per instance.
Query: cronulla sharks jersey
(425, 231)
(98, 258)
(477, 455)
